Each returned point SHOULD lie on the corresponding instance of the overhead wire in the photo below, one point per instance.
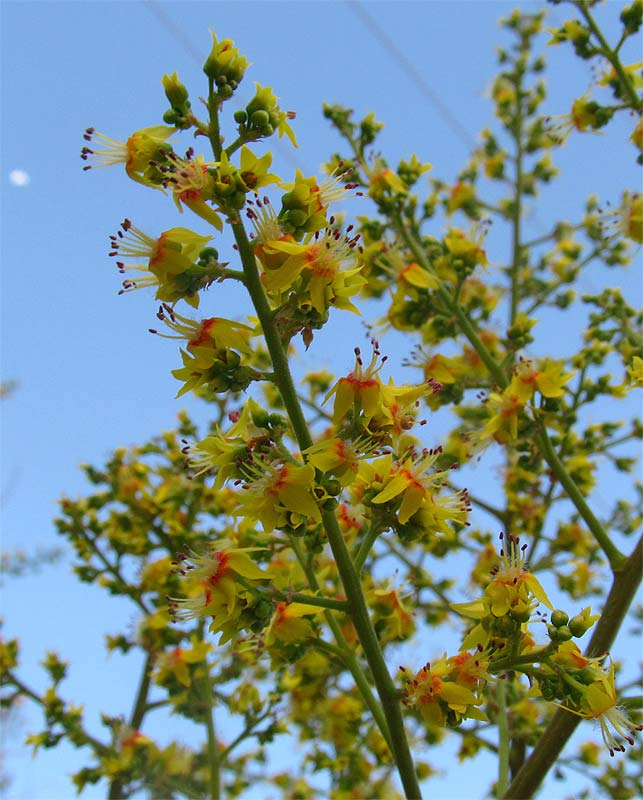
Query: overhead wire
(357, 7)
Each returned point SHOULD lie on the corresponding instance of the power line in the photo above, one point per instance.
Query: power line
(173, 29)
(409, 68)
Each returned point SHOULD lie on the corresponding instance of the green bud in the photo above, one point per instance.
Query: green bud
(559, 618)
(552, 631)
(261, 418)
(240, 116)
(277, 421)
(587, 675)
(579, 625)
(632, 16)
(175, 91)
(547, 691)
(520, 615)
(225, 64)
(564, 633)
(233, 359)
(504, 626)
(208, 254)
(260, 119)
(171, 117)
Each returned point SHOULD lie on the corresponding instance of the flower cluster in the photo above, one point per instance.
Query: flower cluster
(177, 263)
(218, 584)
(584, 687)
(212, 357)
(448, 690)
(508, 601)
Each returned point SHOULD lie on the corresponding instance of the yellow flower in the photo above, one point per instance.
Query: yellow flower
(279, 494)
(224, 62)
(212, 587)
(288, 625)
(635, 372)
(318, 264)
(549, 380)
(225, 453)
(253, 169)
(633, 71)
(507, 601)
(439, 697)
(392, 619)
(512, 582)
(340, 456)
(264, 115)
(143, 147)
(161, 261)
(384, 182)
(503, 421)
(211, 357)
(468, 246)
(406, 272)
(598, 700)
(636, 136)
(361, 389)
(191, 184)
(174, 663)
(631, 216)
(306, 201)
(409, 479)
(461, 195)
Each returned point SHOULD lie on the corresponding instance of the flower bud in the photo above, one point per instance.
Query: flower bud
(581, 623)
(559, 618)
(224, 65)
(175, 91)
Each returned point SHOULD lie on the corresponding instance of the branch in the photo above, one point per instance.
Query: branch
(555, 737)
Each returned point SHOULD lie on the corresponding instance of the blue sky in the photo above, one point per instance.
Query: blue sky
(89, 375)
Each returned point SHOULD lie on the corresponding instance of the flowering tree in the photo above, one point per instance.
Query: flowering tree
(280, 560)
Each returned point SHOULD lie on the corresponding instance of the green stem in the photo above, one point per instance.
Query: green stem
(503, 738)
(140, 704)
(626, 581)
(319, 411)
(610, 55)
(12, 680)
(613, 554)
(136, 719)
(114, 571)
(214, 133)
(516, 221)
(546, 293)
(515, 662)
(311, 600)
(232, 148)
(365, 547)
(245, 733)
(214, 756)
(386, 689)
(345, 654)
(283, 377)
